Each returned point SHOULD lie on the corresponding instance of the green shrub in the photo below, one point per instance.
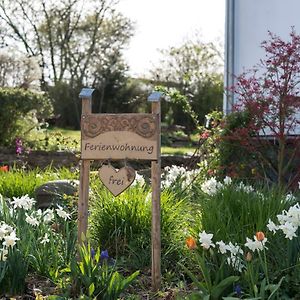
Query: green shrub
(15, 104)
(123, 225)
(236, 211)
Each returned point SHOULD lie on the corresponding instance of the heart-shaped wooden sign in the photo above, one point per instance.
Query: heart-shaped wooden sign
(117, 181)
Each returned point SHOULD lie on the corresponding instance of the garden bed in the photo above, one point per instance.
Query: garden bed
(219, 238)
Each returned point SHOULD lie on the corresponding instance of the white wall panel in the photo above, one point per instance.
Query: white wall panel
(247, 25)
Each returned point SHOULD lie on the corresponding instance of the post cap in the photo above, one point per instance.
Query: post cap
(86, 93)
(155, 96)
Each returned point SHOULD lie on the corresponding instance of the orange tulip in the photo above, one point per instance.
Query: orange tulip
(260, 236)
(191, 243)
(4, 168)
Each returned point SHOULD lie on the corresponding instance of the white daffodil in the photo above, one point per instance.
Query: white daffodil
(2, 232)
(211, 186)
(174, 173)
(283, 218)
(252, 245)
(48, 215)
(246, 188)
(255, 245)
(139, 180)
(290, 197)
(222, 247)
(5, 230)
(63, 214)
(234, 249)
(289, 230)
(24, 202)
(45, 239)
(293, 215)
(206, 240)
(235, 262)
(10, 240)
(272, 227)
(31, 220)
(189, 176)
(39, 213)
(227, 180)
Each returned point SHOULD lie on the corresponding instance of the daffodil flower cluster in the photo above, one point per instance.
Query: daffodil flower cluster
(212, 186)
(8, 239)
(289, 222)
(36, 217)
(174, 173)
(233, 251)
(24, 202)
(62, 213)
(256, 244)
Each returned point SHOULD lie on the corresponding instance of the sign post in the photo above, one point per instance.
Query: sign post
(154, 98)
(121, 137)
(86, 96)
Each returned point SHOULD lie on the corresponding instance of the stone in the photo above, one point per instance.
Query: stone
(52, 192)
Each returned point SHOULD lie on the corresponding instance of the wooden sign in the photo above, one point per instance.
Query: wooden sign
(115, 137)
(119, 136)
(117, 181)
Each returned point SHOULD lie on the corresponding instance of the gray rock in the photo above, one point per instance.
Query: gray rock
(52, 192)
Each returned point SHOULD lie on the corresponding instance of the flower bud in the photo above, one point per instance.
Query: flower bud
(191, 243)
(260, 236)
(248, 256)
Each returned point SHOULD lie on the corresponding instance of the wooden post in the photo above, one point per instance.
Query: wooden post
(156, 181)
(86, 96)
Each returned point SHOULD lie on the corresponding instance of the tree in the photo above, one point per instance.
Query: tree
(268, 105)
(15, 105)
(75, 43)
(18, 71)
(194, 69)
(65, 36)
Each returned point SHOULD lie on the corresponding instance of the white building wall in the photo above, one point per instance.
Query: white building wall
(247, 25)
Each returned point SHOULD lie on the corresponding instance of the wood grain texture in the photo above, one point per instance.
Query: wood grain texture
(144, 125)
(156, 209)
(83, 201)
(116, 181)
(124, 136)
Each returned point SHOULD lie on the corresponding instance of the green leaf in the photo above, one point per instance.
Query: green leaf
(219, 289)
(91, 289)
(262, 289)
(275, 288)
(196, 296)
(199, 284)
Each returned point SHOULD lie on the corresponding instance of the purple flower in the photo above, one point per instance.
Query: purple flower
(238, 290)
(104, 255)
(19, 146)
